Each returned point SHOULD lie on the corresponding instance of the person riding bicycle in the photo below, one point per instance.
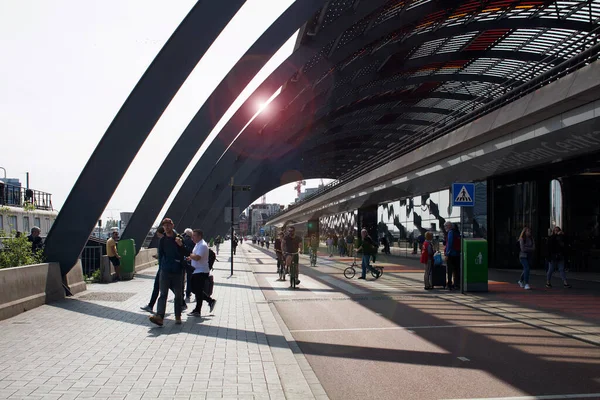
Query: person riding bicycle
(291, 246)
(278, 253)
(314, 246)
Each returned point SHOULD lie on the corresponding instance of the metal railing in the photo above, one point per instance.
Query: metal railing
(91, 259)
(17, 196)
(584, 58)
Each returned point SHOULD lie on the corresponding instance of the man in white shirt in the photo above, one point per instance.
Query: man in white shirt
(200, 277)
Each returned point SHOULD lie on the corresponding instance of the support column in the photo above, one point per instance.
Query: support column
(367, 219)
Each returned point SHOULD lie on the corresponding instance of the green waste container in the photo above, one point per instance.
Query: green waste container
(475, 265)
(126, 249)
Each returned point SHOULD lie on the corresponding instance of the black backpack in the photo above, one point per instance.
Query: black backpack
(212, 257)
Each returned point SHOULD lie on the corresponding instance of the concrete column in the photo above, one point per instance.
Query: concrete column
(367, 219)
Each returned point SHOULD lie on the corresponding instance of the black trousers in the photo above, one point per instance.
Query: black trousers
(199, 284)
(156, 291)
(454, 269)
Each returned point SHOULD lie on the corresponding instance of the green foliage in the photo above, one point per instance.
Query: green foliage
(211, 243)
(4, 210)
(17, 251)
(28, 207)
(96, 276)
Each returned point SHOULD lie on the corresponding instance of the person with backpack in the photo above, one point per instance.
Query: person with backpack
(557, 254)
(427, 259)
(452, 254)
(200, 258)
(526, 246)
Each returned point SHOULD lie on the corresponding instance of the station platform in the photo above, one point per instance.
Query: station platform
(331, 338)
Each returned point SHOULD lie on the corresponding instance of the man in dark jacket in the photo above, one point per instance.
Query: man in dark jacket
(36, 241)
(171, 255)
(368, 248)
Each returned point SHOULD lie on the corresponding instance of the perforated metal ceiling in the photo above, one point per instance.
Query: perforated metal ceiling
(397, 78)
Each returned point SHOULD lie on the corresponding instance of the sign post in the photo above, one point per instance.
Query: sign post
(463, 195)
(239, 188)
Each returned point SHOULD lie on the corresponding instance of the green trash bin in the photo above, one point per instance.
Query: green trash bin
(126, 249)
(475, 265)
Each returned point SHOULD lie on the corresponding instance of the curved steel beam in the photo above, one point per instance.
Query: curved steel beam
(131, 126)
(211, 111)
(190, 195)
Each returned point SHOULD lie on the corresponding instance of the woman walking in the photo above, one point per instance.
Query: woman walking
(557, 249)
(526, 249)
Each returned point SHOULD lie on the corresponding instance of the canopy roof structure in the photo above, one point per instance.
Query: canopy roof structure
(416, 68)
(369, 81)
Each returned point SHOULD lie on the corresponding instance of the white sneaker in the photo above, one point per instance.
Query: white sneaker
(520, 284)
(527, 287)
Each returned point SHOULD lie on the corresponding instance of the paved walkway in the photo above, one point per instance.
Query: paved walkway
(100, 345)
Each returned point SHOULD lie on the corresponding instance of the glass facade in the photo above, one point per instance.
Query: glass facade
(404, 220)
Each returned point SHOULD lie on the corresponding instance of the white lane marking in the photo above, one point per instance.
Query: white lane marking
(463, 359)
(545, 397)
(342, 285)
(408, 328)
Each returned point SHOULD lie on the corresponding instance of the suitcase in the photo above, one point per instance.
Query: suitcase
(438, 276)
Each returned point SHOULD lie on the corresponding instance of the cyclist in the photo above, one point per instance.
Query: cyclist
(368, 249)
(314, 246)
(278, 253)
(291, 246)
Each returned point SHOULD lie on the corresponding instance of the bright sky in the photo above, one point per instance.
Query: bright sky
(69, 65)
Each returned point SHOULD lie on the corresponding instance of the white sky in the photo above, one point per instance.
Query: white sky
(68, 66)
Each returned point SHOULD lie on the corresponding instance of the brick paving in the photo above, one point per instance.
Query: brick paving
(100, 345)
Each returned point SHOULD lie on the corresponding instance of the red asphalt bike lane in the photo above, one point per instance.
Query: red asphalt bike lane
(408, 344)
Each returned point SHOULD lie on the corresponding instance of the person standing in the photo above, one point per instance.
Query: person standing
(368, 248)
(526, 249)
(452, 254)
(36, 241)
(350, 243)
(112, 253)
(171, 255)
(330, 245)
(557, 249)
(427, 259)
(188, 242)
(200, 277)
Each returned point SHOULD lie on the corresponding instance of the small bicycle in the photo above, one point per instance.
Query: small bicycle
(350, 272)
(281, 267)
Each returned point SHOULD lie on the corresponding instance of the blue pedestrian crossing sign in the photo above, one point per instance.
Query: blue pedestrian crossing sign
(463, 194)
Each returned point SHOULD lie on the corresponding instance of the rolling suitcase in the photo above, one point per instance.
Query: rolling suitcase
(438, 275)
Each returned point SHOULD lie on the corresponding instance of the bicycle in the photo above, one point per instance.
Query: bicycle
(350, 271)
(313, 258)
(293, 271)
(281, 267)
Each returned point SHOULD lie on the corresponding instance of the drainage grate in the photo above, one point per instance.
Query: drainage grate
(106, 296)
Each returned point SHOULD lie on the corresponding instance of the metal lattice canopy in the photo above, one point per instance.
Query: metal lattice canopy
(417, 67)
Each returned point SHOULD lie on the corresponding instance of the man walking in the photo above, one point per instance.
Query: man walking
(171, 255)
(368, 248)
(188, 242)
(200, 277)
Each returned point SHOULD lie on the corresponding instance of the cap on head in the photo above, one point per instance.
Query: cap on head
(167, 221)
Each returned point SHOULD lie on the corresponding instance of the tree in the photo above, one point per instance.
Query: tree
(16, 251)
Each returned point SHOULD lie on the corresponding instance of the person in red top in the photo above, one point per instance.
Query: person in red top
(427, 259)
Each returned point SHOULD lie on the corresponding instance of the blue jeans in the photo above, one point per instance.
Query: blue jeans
(525, 273)
(561, 267)
(366, 258)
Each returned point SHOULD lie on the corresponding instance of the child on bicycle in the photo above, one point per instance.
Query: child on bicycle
(314, 247)
(291, 246)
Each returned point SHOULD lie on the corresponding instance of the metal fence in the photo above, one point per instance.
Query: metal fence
(18, 196)
(91, 259)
